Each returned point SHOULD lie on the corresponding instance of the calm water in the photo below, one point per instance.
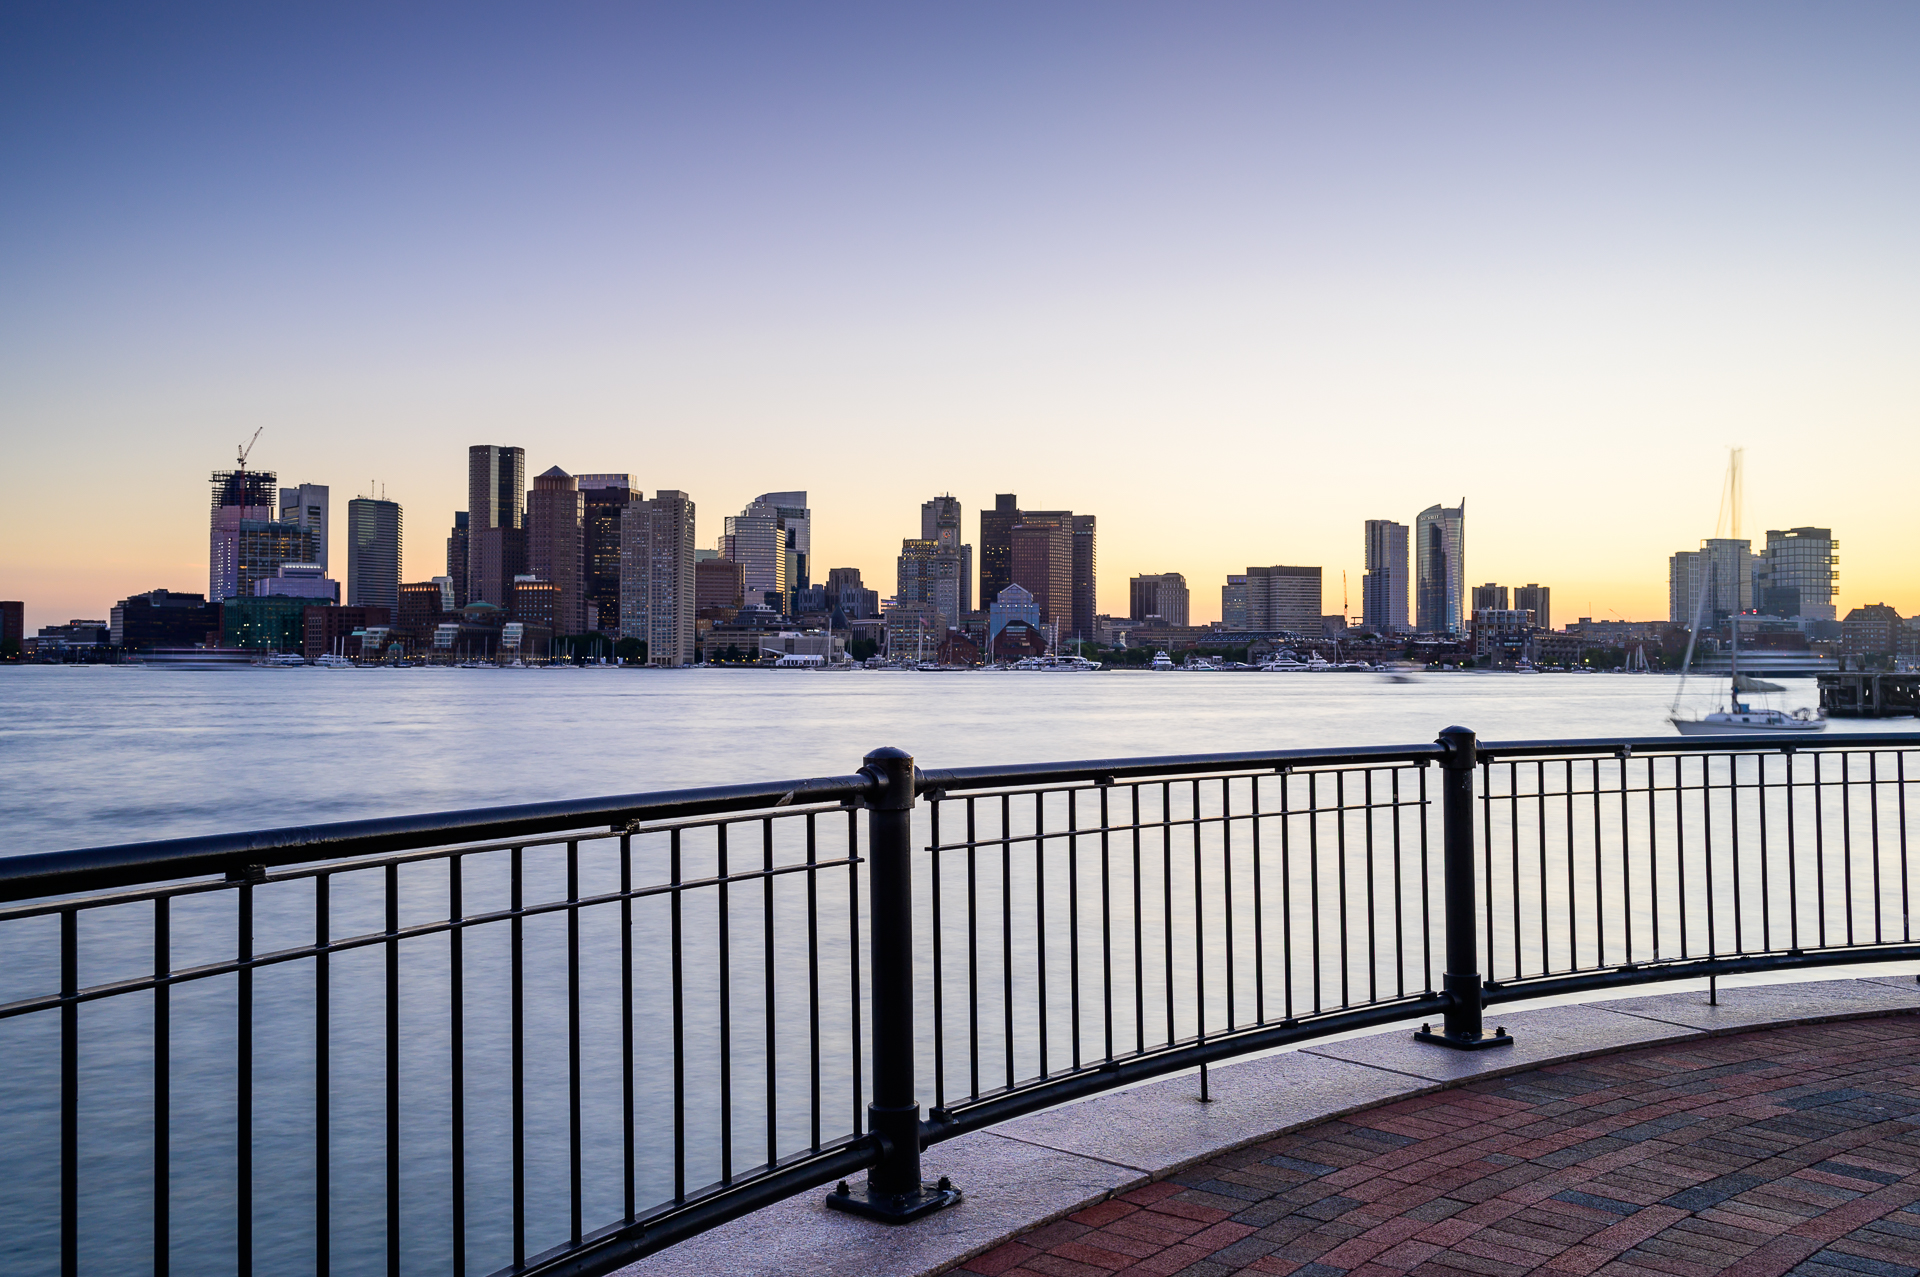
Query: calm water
(101, 755)
(97, 756)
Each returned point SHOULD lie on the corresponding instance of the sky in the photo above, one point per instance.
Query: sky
(1233, 278)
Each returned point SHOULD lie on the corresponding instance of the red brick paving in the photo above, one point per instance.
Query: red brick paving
(1788, 1153)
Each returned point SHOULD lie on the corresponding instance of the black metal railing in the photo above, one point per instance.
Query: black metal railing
(555, 1038)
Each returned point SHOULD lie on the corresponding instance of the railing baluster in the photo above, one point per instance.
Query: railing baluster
(1340, 859)
(1259, 905)
(1106, 926)
(1040, 923)
(162, 1087)
(677, 980)
(939, 970)
(1793, 864)
(517, 1031)
(724, 924)
(628, 1132)
(853, 966)
(243, 1088)
(574, 1205)
(457, 1057)
(69, 1093)
(1199, 935)
(973, 955)
(1226, 884)
(1073, 922)
(768, 992)
(322, 1076)
(393, 1069)
(1313, 884)
(813, 980)
(1139, 932)
(1006, 929)
(1873, 814)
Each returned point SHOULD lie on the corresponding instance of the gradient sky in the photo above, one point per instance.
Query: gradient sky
(1234, 278)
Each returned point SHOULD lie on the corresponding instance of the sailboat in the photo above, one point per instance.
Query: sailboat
(1738, 716)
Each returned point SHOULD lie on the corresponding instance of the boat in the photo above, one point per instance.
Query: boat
(1739, 716)
(1161, 661)
(1059, 665)
(282, 660)
(333, 661)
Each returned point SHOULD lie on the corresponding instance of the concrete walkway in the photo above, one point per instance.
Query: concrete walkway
(1544, 1155)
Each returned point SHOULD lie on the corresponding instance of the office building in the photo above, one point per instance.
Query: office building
(607, 496)
(556, 545)
(996, 545)
(240, 498)
(13, 625)
(536, 604)
(298, 581)
(305, 506)
(755, 540)
(1085, 562)
(1383, 591)
(496, 522)
(1233, 603)
(1440, 569)
(162, 618)
(1537, 600)
(1503, 634)
(332, 629)
(940, 524)
(1283, 600)
(1490, 596)
(1014, 603)
(275, 624)
(719, 586)
(796, 527)
(1161, 595)
(657, 576)
(457, 558)
(373, 553)
(1713, 582)
(846, 592)
(1804, 560)
(1041, 562)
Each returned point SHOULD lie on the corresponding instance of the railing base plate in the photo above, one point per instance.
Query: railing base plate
(1500, 1037)
(899, 1208)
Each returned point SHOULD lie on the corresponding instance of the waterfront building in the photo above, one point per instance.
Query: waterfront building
(1161, 594)
(240, 498)
(457, 558)
(1804, 560)
(556, 545)
(914, 631)
(1042, 564)
(658, 576)
(1875, 630)
(940, 524)
(1014, 603)
(1502, 633)
(1716, 579)
(163, 618)
(1283, 599)
(1383, 590)
(298, 581)
(996, 545)
(13, 624)
(855, 601)
(496, 522)
(276, 624)
(1490, 597)
(1440, 574)
(332, 629)
(934, 573)
(373, 553)
(305, 506)
(606, 497)
(424, 606)
(535, 602)
(755, 540)
(1536, 599)
(1233, 602)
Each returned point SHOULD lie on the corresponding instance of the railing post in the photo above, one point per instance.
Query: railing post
(1463, 1030)
(895, 1193)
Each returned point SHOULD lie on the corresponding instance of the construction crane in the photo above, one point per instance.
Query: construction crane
(248, 448)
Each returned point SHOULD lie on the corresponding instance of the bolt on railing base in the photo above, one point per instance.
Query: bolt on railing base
(1462, 1041)
(894, 1208)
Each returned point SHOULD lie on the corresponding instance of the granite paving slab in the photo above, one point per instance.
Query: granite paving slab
(1549, 1033)
(1742, 1006)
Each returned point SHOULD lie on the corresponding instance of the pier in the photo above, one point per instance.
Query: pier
(1870, 694)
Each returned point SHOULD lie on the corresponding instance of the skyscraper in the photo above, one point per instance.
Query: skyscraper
(607, 497)
(1440, 551)
(755, 540)
(556, 545)
(1490, 596)
(1715, 581)
(657, 576)
(996, 545)
(940, 524)
(496, 522)
(1161, 594)
(305, 506)
(1536, 599)
(1085, 596)
(1233, 602)
(1042, 563)
(373, 553)
(457, 544)
(1383, 591)
(796, 526)
(239, 497)
(1803, 560)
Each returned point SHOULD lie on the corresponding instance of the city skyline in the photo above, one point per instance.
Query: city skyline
(1401, 258)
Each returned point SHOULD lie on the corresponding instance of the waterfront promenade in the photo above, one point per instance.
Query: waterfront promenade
(1720, 1147)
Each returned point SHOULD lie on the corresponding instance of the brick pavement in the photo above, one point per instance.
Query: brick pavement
(1785, 1153)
